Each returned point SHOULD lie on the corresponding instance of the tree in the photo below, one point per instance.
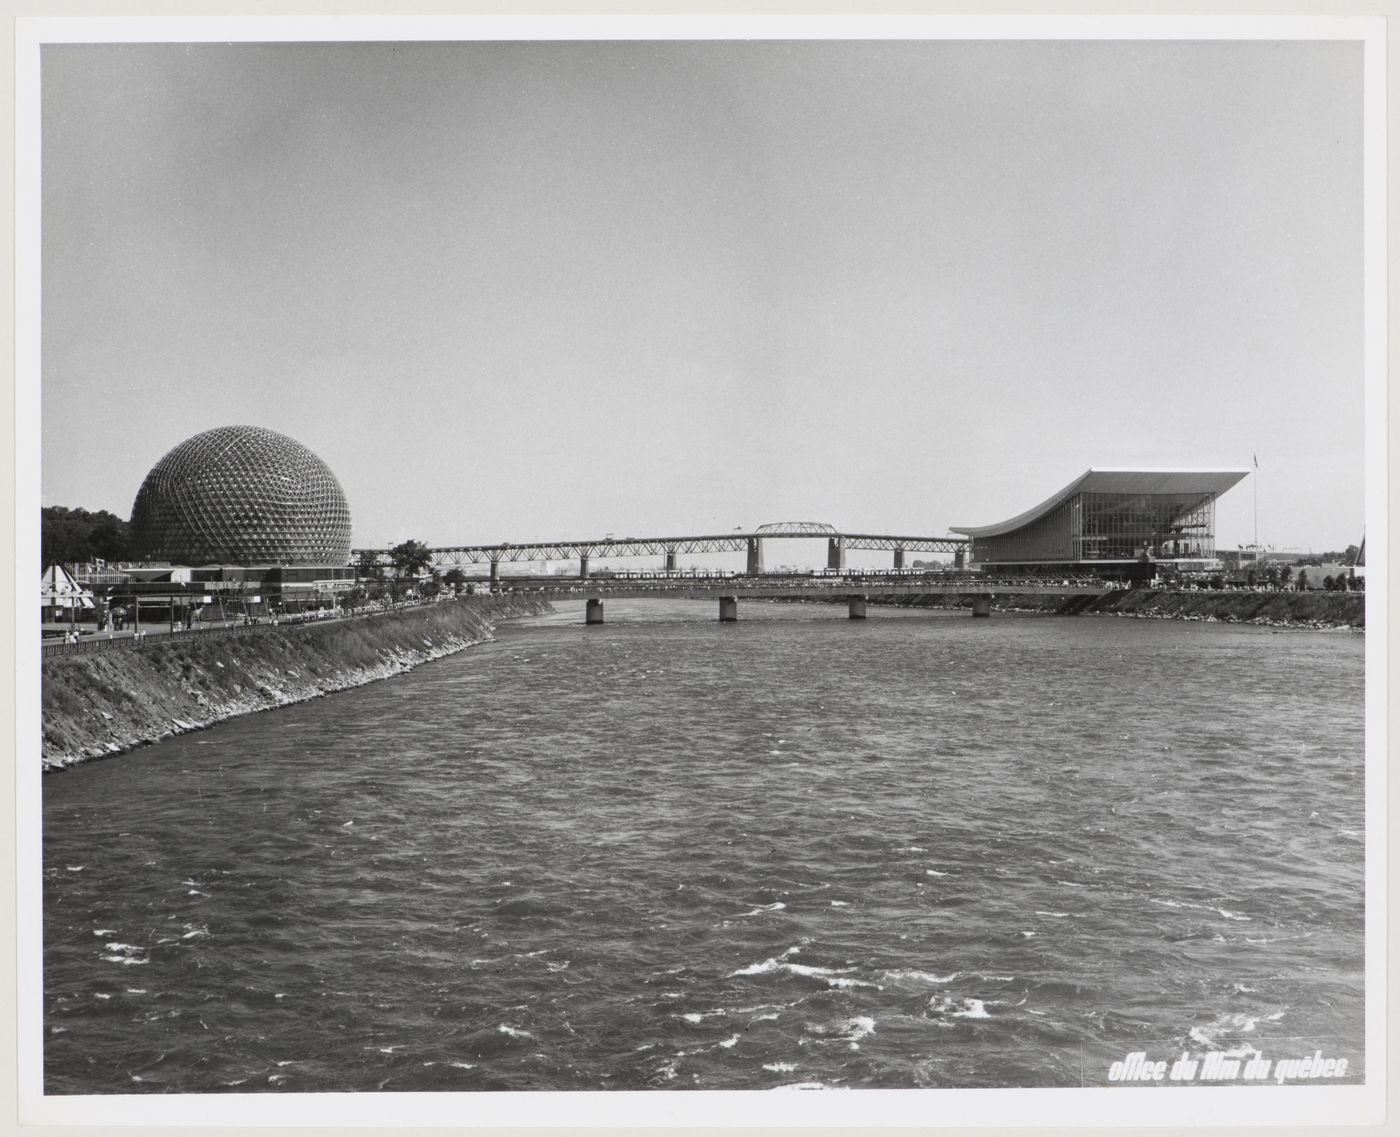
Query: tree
(75, 536)
(368, 566)
(456, 578)
(410, 558)
(1353, 552)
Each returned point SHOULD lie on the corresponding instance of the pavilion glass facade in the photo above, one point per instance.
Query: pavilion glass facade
(1093, 526)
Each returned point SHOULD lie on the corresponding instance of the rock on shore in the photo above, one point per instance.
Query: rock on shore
(107, 702)
(1272, 609)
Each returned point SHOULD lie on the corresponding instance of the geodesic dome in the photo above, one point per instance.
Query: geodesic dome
(241, 495)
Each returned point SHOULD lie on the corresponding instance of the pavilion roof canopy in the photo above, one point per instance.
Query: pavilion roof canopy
(1099, 479)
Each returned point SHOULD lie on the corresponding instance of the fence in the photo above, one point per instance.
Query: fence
(119, 640)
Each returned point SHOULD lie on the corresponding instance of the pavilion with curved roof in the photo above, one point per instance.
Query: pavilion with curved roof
(1108, 519)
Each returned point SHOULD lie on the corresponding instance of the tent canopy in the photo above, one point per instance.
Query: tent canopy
(58, 589)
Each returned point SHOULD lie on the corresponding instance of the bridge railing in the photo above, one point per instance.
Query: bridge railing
(834, 582)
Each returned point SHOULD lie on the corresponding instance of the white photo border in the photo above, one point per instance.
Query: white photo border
(1300, 1105)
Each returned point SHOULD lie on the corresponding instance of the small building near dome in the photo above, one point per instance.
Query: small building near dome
(61, 598)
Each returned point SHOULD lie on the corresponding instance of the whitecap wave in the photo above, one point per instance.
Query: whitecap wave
(813, 972)
(965, 1008)
(129, 954)
(913, 975)
(514, 1031)
(777, 906)
(779, 964)
(850, 1031)
(1223, 1027)
(1227, 913)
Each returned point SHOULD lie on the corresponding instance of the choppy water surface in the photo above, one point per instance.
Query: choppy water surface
(917, 851)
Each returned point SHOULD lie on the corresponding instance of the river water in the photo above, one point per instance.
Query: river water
(921, 850)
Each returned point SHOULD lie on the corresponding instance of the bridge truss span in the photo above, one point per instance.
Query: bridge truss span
(797, 529)
(455, 556)
(952, 545)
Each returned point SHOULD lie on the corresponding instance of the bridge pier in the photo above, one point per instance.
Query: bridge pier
(835, 553)
(899, 558)
(728, 609)
(982, 604)
(495, 575)
(593, 614)
(583, 569)
(857, 608)
(670, 560)
(755, 561)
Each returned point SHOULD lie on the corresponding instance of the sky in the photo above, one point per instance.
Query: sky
(525, 291)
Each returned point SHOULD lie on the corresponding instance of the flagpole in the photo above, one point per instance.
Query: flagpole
(1256, 511)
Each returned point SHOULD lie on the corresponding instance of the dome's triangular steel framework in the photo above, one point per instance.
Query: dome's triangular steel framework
(241, 495)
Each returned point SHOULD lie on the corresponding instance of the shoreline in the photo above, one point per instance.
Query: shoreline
(100, 705)
(104, 704)
(1303, 611)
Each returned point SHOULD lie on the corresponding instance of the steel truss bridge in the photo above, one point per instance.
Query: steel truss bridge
(838, 543)
(855, 590)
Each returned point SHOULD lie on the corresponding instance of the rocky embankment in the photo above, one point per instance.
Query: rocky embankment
(1272, 609)
(105, 702)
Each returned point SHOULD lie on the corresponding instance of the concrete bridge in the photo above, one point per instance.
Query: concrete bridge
(670, 548)
(856, 590)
